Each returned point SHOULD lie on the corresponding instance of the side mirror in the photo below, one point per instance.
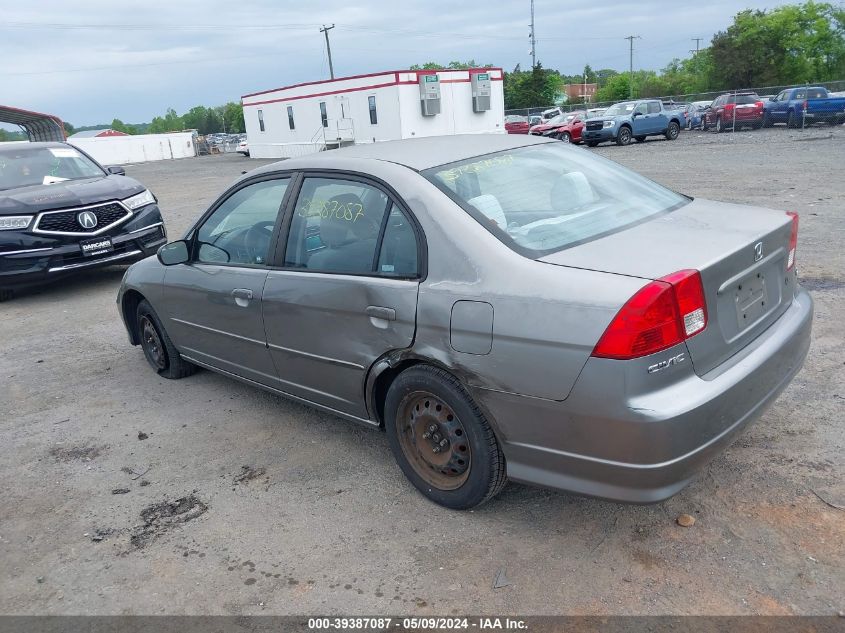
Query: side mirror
(117, 170)
(174, 253)
(635, 114)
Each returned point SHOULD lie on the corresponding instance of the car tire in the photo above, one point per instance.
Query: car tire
(624, 135)
(565, 137)
(639, 139)
(689, 125)
(718, 127)
(6, 294)
(790, 119)
(672, 131)
(767, 120)
(158, 349)
(470, 468)
(592, 143)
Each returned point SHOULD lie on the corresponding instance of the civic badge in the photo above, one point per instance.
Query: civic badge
(87, 219)
(758, 251)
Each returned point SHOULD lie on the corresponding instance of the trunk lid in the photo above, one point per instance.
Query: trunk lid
(741, 252)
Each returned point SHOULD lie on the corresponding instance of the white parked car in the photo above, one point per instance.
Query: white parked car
(243, 148)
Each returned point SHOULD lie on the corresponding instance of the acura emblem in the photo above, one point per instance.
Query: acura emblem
(87, 220)
(758, 251)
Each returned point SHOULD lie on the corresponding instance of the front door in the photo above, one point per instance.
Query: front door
(347, 293)
(213, 303)
(639, 120)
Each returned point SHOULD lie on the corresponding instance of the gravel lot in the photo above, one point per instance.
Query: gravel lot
(288, 510)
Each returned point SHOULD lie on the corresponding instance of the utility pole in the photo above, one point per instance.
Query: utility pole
(533, 41)
(631, 39)
(325, 30)
(697, 41)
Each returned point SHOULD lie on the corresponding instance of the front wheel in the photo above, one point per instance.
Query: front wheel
(624, 136)
(564, 136)
(159, 350)
(592, 143)
(790, 120)
(767, 120)
(441, 439)
(719, 128)
(672, 131)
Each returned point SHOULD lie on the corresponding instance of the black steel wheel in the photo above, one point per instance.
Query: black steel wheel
(442, 440)
(672, 131)
(158, 349)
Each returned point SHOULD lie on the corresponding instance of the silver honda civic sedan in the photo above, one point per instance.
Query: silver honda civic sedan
(502, 306)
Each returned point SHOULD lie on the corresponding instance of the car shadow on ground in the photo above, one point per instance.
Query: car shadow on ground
(66, 287)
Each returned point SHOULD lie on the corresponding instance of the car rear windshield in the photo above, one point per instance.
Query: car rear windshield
(744, 99)
(817, 93)
(544, 198)
(26, 166)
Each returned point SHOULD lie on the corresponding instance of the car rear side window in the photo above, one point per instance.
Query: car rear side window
(653, 107)
(543, 198)
(398, 254)
(336, 226)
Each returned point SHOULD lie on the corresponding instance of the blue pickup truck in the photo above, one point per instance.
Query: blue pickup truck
(633, 120)
(812, 104)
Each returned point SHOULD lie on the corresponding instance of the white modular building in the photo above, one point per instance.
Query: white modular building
(396, 104)
(139, 148)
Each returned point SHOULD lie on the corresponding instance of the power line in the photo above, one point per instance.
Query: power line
(697, 41)
(325, 30)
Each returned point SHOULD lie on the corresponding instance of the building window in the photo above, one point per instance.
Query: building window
(323, 115)
(373, 113)
(290, 118)
(261, 120)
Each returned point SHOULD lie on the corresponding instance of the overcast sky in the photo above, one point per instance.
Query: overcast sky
(91, 61)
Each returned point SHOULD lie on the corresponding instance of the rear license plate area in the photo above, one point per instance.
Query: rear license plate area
(751, 300)
(96, 246)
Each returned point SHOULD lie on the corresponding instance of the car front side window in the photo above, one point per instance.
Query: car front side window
(240, 230)
(336, 226)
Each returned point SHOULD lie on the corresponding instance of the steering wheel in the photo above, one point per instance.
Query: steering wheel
(257, 240)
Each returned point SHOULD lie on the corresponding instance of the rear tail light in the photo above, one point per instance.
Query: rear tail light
(661, 314)
(793, 240)
(758, 105)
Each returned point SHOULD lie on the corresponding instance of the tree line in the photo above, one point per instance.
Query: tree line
(227, 118)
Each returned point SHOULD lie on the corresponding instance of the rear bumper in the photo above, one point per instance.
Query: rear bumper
(645, 448)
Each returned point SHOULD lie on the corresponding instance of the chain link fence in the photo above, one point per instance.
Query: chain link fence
(762, 91)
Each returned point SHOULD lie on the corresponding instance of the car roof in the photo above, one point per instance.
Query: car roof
(14, 147)
(415, 153)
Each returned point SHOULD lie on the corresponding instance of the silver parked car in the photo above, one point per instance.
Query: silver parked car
(502, 305)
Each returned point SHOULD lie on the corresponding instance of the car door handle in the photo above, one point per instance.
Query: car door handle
(242, 296)
(379, 312)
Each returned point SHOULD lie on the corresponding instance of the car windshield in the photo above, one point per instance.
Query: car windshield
(560, 118)
(544, 198)
(29, 166)
(620, 108)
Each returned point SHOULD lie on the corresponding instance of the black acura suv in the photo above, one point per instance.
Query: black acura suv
(62, 212)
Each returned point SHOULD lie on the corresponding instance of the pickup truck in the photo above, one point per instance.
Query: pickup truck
(813, 104)
(633, 120)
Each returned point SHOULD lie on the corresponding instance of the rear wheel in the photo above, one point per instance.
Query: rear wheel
(673, 130)
(592, 143)
(767, 119)
(159, 350)
(441, 439)
(624, 135)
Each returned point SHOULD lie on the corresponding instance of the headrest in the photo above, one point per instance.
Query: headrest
(571, 192)
(489, 206)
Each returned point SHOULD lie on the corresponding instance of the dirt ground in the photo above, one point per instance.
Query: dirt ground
(125, 493)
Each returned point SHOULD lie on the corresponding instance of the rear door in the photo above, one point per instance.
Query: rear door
(658, 121)
(213, 303)
(346, 292)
